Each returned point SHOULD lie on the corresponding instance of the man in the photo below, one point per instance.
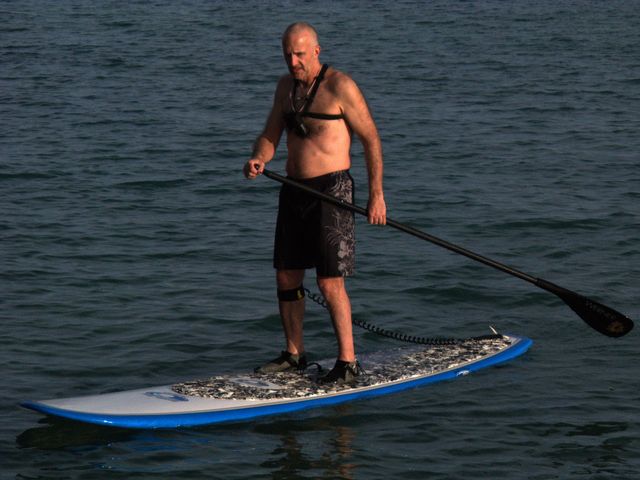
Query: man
(320, 108)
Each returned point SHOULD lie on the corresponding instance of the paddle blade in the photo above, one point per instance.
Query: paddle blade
(601, 318)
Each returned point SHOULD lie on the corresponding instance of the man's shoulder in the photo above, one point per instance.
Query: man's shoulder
(339, 82)
(338, 77)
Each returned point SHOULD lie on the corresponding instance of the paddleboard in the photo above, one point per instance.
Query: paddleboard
(236, 397)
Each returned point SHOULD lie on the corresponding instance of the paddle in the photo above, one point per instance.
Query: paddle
(598, 316)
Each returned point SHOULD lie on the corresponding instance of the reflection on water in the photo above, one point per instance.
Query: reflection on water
(289, 446)
(335, 461)
(317, 445)
(59, 434)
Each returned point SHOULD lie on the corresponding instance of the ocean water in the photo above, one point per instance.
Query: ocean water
(133, 252)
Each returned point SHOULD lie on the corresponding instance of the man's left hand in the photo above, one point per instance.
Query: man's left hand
(377, 210)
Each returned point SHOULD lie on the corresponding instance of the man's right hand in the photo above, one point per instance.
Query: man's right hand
(253, 168)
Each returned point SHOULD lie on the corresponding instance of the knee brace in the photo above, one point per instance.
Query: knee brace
(291, 295)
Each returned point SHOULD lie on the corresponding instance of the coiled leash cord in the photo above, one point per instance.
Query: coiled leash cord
(402, 337)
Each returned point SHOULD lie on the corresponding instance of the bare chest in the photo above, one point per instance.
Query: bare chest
(312, 116)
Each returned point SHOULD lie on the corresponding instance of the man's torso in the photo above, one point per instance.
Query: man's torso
(326, 148)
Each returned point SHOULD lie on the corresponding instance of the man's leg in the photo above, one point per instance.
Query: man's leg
(335, 293)
(291, 312)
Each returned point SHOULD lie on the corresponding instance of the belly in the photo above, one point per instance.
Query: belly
(322, 152)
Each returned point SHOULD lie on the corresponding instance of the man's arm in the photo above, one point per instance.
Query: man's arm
(359, 119)
(264, 148)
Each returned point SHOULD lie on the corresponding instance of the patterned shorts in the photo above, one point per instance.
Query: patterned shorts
(312, 233)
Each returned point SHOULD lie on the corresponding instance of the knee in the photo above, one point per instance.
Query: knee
(331, 286)
(288, 279)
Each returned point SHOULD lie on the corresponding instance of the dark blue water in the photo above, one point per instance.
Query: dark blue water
(133, 252)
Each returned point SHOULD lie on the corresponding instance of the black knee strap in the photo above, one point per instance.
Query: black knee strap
(291, 295)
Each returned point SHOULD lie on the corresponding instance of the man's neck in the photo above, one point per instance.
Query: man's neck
(307, 82)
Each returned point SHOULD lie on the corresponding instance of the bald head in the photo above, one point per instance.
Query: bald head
(301, 28)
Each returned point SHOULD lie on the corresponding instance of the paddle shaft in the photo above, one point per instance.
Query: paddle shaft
(598, 316)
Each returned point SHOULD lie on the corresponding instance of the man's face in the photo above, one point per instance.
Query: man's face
(301, 54)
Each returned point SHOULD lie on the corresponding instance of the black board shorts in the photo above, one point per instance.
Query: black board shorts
(312, 233)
